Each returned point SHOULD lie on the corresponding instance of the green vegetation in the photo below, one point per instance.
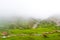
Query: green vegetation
(20, 28)
(54, 36)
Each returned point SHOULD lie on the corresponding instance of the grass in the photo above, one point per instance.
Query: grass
(28, 31)
(55, 36)
(50, 37)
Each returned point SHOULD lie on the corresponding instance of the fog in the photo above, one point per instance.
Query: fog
(29, 8)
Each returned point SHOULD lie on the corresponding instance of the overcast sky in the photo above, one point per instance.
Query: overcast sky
(29, 8)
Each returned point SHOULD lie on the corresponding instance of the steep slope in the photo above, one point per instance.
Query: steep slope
(55, 18)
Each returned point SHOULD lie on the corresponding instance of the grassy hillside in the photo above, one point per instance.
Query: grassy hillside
(22, 30)
(29, 34)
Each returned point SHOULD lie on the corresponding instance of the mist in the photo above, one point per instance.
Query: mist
(29, 8)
